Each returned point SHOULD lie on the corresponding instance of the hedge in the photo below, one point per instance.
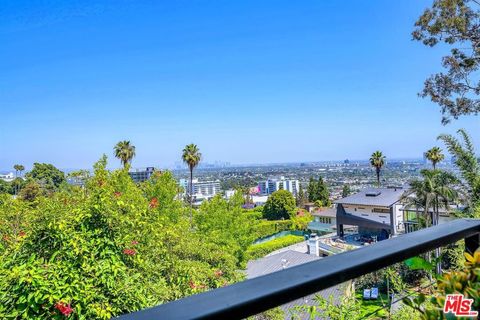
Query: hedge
(256, 251)
(266, 228)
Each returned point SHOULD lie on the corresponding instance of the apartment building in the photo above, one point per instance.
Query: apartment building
(269, 186)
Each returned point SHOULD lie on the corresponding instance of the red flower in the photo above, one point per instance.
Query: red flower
(117, 194)
(22, 233)
(134, 242)
(218, 273)
(64, 308)
(5, 237)
(153, 203)
(192, 284)
(129, 252)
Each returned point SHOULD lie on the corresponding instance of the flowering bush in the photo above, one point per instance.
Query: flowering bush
(112, 248)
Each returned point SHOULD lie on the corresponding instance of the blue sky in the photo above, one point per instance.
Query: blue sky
(247, 81)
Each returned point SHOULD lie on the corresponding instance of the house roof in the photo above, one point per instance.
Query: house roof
(383, 197)
(325, 212)
(286, 259)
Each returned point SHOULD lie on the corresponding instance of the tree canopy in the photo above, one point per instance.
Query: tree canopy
(279, 205)
(46, 175)
(455, 23)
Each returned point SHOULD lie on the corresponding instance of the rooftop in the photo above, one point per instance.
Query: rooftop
(384, 197)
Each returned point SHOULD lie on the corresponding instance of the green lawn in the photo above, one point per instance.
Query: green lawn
(369, 306)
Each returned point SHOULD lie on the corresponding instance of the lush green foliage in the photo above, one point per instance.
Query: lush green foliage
(467, 163)
(465, 281)
(280, 205)
(259, 250)
(47, 176)
(268, 227)
(318, 192)
(455, 23)
(114, 247)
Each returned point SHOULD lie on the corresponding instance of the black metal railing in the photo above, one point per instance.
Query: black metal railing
(256, 295)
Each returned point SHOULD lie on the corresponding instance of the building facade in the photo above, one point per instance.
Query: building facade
(375, 212)
(202, 190)
(141, 175)
(271, 185)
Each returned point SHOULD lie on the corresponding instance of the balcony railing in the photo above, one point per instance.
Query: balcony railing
(256, 295)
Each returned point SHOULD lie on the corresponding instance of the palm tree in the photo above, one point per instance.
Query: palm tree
(435, 156)
(18, 168)
(434, 191)
(191, 156)
(125, 152)
(468, 165)
(377, 160)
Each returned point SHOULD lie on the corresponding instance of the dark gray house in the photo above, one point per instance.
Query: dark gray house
(374, 211)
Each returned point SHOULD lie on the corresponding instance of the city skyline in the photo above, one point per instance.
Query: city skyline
(250, 82)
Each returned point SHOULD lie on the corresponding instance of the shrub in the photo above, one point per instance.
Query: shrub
(259, 250)
(266, 228)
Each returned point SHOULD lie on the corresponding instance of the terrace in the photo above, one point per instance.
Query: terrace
(259, 294)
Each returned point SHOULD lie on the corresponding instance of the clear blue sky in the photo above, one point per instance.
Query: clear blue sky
(248, 81)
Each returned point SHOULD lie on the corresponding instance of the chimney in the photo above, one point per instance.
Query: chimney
(313, 247)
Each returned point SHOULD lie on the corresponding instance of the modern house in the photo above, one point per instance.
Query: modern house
(374, 212)
(274, 184)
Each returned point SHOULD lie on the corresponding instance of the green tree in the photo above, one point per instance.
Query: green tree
(434, 191)
(301, 197)
(455, 23)
(125, 152)
(346, 191)
(279, 205)
(435, 156)
(467, 163)
(191, 156)
(5, 187)
(47, 176)
(31, 191)
(377, 160)
(18, 168)
(318, 192)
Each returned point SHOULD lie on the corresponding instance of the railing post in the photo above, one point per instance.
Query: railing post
(472, 243)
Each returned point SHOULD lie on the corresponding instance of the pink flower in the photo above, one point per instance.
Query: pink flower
(129, 252)
(134, 242)
(218, 273)
(64, 308)
(192, 284)
(117, 194)
(22, 233)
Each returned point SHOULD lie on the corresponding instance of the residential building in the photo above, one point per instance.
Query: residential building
(375, 212)
(324, 220)
(141, 175)
(202, 190)
(7, 177)
(274, 184)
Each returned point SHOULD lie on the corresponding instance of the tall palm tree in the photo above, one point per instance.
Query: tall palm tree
(435, 156)
(434, 191)
(191, 156)
(18, 168)
(124, 151)
(377, 160)
(468, 165)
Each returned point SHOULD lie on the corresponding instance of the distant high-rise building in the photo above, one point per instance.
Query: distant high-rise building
(346, 161)
(140, 175)
(202, 190)
(271, 185)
